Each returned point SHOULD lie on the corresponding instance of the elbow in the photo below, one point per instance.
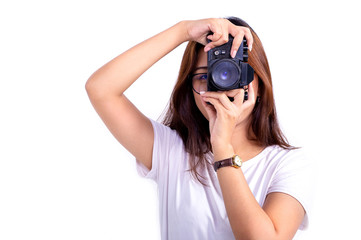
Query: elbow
(101, 88)
(90, 89)
(93, 89)
(90, 85)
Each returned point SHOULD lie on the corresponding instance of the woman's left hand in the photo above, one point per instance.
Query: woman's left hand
(225, 116)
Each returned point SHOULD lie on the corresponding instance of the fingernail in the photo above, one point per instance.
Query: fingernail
(234, 53)
(202, 92)
(250, 48)
(206, 49)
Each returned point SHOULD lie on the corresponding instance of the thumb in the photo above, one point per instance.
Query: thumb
(211, 111)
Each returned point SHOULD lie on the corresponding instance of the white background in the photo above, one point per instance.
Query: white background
(64, 176)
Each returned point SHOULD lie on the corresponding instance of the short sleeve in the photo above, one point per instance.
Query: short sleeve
(295, 176)
(163, 139)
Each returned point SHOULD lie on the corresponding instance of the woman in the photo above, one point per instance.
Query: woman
(266, 198)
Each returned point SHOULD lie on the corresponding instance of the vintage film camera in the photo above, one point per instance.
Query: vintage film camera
(227, 73)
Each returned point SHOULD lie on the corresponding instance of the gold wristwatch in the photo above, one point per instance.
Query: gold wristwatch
(234, 161)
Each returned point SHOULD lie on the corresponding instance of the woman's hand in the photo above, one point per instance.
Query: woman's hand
(221, 28)
(225, 116)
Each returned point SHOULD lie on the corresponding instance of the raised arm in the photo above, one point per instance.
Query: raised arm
(107, 85)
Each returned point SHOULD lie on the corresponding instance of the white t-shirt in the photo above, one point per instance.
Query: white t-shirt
(189, 210)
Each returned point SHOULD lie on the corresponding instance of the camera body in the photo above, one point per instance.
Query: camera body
(227, 73)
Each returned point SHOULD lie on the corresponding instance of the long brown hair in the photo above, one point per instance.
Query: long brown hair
(184, 116)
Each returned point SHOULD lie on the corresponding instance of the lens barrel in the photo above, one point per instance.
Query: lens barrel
(225, 74)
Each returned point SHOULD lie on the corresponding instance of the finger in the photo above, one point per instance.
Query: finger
(210, 37)
(203, 42)
(251, 97)
(238, 35)
(239, 97)
(249, 38)
(215, 38)
(211, 111)
(222, 39)
(208, 47)
(221, 97)
(216, 28)
(225, 101)
(232, 93)
(220, 33)
(251, 92)
(215, 104)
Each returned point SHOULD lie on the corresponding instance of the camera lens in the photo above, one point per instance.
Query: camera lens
(225, 74)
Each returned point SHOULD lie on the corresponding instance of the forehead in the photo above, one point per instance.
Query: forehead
(201, 61)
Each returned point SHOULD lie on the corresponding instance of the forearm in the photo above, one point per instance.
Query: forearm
(121, 72)
(248, 220)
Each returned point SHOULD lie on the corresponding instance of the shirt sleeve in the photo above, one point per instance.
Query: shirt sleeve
(163, 139)
(295, 176)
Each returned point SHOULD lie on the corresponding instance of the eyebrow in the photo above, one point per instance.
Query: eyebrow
(202, 67)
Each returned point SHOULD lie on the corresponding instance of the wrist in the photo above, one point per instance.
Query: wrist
(183, 30)
(222, 151)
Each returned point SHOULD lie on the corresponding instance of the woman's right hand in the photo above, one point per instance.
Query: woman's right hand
(219, 29)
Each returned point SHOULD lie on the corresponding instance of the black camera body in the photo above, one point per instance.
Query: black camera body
(227, 73)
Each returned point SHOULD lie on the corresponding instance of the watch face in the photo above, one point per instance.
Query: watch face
(237, 161)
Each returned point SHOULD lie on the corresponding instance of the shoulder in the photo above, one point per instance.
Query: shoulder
(294, 173)
(162, 129)
(289, 163)
(164, 135)
(167, 145)
(296, 157)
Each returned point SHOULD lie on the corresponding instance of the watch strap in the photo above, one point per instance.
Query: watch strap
(223, 163)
